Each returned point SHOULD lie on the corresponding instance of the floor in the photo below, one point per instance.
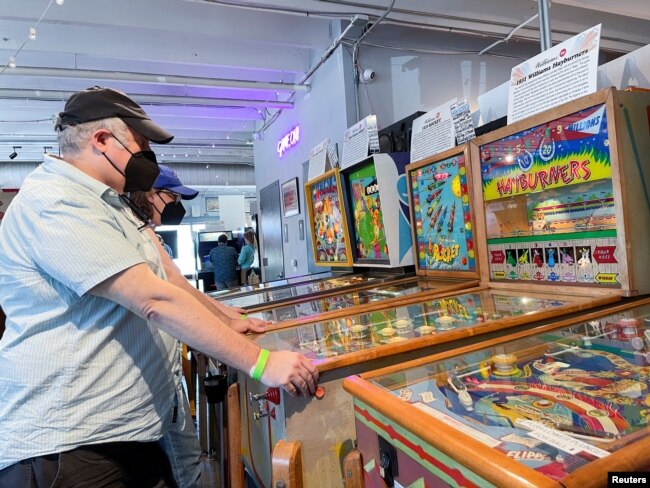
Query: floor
(210, 473)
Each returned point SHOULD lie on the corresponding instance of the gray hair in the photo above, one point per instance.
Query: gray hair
(74, 138)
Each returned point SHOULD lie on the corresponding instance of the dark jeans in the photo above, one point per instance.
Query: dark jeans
(111, 465)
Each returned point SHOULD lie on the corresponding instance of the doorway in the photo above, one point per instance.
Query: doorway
(271, 231)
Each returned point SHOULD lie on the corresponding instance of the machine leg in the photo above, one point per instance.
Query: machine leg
(353, 469)
(233, 452)
(287, 465)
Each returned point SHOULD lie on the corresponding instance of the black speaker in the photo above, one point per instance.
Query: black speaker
(490, 126)
(397, 137)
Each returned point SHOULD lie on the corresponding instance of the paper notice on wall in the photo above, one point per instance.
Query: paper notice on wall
(433, 132)
(556, 76)
(462, 118)
(333, 154)
(318, 159)
(373, 134)
(358, 140)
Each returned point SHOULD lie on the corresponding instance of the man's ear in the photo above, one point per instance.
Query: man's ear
(100, 140)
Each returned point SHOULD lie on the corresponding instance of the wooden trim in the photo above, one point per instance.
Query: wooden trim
(236, 477)
(576, 304)
(455, 151)
(353, 470)
(444, 290)
(287, 464)
(507, 338)
(631, 458)
(464, 449)
(352, 287)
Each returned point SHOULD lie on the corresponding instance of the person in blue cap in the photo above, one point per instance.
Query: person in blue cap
(162, 205)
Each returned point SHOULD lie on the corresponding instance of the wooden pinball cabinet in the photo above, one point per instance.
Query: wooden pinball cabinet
(323, 428)
(561, 405)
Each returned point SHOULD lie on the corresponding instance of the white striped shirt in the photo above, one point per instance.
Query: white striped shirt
(75, 369)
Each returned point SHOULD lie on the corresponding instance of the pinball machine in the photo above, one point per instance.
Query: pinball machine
(321, 429)
(560, 406)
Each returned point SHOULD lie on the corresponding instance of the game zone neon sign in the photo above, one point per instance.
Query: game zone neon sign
(288, 141)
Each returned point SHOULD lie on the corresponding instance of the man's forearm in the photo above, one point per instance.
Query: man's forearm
(180, 314)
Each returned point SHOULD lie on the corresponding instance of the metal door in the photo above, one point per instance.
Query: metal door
(271, 232)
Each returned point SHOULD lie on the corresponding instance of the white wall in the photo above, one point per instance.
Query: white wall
(321, 113)
(406, 82)
(232, 211)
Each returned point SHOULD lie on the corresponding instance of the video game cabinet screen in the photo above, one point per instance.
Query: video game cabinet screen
(442, 224)
(368, 230)
(549, 202)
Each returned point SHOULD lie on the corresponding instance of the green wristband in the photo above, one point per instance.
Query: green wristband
(243, 316)
(259, 366)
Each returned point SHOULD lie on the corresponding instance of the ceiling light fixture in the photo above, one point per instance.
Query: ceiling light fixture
(14, 153)
(12, 62)
(59, 2)
(32, 33)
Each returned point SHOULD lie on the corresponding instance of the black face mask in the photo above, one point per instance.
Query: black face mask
(141, 170)
(172, 214)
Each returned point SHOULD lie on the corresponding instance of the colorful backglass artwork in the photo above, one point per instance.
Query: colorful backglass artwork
(549, 202)
(441, 211)
(369, 231)
(329, 233)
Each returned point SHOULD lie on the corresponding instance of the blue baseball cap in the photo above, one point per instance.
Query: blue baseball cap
(168, 180)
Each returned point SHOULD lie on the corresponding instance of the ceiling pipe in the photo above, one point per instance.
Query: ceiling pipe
(326, 55)
(544, 25)
(155, 78)
(59, 95)
(507, 38)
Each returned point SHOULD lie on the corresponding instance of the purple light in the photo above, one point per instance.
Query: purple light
(288, 141)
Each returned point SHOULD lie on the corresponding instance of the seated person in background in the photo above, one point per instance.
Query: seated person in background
(247, 256)
(224, 262)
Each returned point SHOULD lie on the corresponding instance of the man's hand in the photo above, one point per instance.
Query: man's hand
(233, 312)
(245, 324)
(292, 371)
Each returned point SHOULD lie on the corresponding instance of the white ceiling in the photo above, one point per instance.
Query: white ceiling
(212, 71)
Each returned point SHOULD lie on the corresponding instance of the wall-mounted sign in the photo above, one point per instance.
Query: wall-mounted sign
(289, 140)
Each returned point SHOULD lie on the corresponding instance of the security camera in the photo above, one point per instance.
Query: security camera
(368, 75)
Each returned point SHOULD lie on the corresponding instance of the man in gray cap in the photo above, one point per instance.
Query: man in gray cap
(84, 367)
